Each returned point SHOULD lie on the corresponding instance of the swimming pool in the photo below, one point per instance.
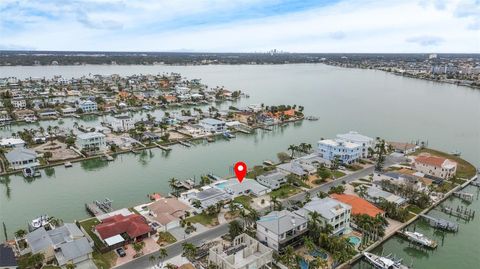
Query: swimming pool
(221, 185)
(354, 240)
(303, 264)
(319, 253)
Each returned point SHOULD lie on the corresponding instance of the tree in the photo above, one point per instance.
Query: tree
(340, 189)
(309, 244)
(47, 155)
(189, 251)
(162, 254)
(380, 152)
(152, 259)
(70, 266)
(292, 148)
(138, 247)
(283, 157)
(235, 228)
(335, 163)
(196, 203)
(20, 233)
(172, 182)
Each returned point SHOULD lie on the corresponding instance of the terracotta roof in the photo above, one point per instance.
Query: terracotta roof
(431, 160)
(359, 205)
(134, 225)
(168, 209)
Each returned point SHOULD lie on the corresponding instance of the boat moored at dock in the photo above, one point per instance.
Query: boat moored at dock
(381, 262)
(419, 238)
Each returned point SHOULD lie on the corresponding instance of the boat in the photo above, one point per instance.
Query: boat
(39, 222)
(312, 118)
(228, 135)
(383, 262)
(30, 119)
(456, 153)
(67, 164)
(210, 139)
(30, 172)
(421, 239)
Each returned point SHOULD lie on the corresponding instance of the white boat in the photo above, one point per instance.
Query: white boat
(30, 172)
(420, 239)
(383, 262)
(67, 164)
(30, 119)
(39, 222)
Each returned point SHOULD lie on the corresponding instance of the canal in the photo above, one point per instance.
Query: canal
(372, 102)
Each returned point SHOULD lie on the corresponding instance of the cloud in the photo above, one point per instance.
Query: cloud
(337, 35)
(425, 40)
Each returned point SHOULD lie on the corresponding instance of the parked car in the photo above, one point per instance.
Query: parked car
(121, 252)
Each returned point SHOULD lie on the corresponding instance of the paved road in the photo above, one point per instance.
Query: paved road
(176, 248)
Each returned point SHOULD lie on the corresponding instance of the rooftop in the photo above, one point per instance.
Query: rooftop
(355, 136)
(338, 143)
(90, 135)
(280, 222)
(327, 207)
(359, 205)
(134, 225)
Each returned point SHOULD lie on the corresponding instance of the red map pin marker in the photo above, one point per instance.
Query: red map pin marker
(240, 169)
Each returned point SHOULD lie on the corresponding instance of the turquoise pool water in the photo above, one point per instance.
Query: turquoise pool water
(221, 185)
(319, 253)
(354, 240)
(303, 264)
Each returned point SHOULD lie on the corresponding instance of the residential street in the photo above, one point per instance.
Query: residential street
(176, 248)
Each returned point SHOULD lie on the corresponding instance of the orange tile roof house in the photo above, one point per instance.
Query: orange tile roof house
(168, 212)
(135, 226)
(359, 205)
(435, 166)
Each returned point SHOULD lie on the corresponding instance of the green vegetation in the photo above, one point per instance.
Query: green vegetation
(235, 228)
(88, 226)
(444, 187)
(105, 260)
(258, 170)
(166, 237)
(338, 174)
(340, 189)
(243, 200)
(464, 169)
(415, 209)
(204, 219)
(297, 181)
(285, 191)
(393, 211)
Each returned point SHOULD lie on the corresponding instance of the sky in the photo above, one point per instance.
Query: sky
(322, 26)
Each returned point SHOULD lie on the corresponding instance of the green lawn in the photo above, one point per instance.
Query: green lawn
(50, 267)
(285, 191)
(464, 168)
(88, 227)
(338, 174)
(166, 237)
(244, 200)
(410, 216)
(105, 260)
(207, 220)
(415, 209)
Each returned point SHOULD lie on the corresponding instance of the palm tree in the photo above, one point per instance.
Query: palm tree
(252, 216)
(173, 185)
(309, 244)
(292, 148)
(70, 266)
(189, 250)
(138, 247)
(162, 255)
(196, 203)
(152, 259)
(20, 233)
(319, 263)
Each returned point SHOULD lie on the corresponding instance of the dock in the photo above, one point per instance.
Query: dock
(107, 157)
(186, 184)
(214, 177)
(476, 183)
(432, 243)
(184, 143)
(165, 148)
(441, 223)
(97, 208)
(460, 212)
(464, 196)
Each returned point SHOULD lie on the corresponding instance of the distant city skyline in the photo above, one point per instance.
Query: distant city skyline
(370, 26)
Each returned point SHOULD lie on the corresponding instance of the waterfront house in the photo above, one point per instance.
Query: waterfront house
(7, 257)
(405, 148)
(346, 152)
(245, 252)
(376, 195)
(212, 125)
(4, 117)
(399, 178)
(92, 141)
(279, 229)
(68, 111)
(331, 211)
(248, 186)
(19, 103)
(365, 142)
(48, 112)
(122, 124)
(207, 196)
(272, 179)
(24, 114)
(298, 168)
(117, 230)
(168, 212)
(435, 166)
(64, 244)
(359, 205)
(20, 158)
(12, 143)
(88, 106)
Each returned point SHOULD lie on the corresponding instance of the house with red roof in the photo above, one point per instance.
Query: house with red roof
(119, 229)
(435, 166)
(359, 206)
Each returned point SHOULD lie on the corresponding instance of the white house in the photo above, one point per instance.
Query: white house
(364, 141)
(212, 125)
(19, 103)
(272, 179)
(20, 158)
(347, 152)
(88, 106)
(435, 166)
(331, 211)
(12, 143)
(91, 141)
(279, 229)
(122, 124)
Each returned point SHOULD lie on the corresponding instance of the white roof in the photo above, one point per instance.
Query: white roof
(114, 240)
(355, 136)
(11, 141)
(90, 135)
(338, 142)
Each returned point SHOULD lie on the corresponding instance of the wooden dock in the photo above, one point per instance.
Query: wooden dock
(464, 196)
(184, 143)
(460, 212)
(97, 208)
(165, 148)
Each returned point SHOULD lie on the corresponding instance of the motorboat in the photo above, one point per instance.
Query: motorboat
(421, 239)
(381, 262)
